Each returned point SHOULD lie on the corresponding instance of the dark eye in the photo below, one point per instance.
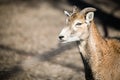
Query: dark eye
(78, 24)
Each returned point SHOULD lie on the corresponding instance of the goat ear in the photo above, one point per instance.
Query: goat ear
(89, 16)
(67, 13)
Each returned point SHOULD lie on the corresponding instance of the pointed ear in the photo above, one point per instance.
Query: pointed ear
(67, 13)
(89, 16)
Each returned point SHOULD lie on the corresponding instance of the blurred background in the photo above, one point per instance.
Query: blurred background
(29, 45)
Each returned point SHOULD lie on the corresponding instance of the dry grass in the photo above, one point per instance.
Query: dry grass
(29, 48)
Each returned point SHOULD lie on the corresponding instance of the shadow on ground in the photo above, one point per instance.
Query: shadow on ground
(108, 20)
(45, 56)
(6, 74)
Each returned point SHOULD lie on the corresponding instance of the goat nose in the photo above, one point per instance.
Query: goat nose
(61, 37)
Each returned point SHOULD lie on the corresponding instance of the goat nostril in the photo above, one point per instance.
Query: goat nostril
(61, 37)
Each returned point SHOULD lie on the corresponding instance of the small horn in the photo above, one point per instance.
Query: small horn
(75, 9)
(86, 10)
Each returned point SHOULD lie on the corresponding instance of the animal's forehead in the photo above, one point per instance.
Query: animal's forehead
(75, 16)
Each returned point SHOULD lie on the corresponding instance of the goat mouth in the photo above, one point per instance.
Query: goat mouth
(62, 41)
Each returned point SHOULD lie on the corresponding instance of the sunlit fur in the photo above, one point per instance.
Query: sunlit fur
(74, 32)
(102, 54)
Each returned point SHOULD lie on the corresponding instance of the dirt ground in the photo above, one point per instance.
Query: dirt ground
(29, 46)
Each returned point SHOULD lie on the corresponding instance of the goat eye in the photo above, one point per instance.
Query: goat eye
(78, 24)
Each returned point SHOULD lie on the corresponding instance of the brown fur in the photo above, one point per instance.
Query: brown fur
(105, 60)
(102, 54)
